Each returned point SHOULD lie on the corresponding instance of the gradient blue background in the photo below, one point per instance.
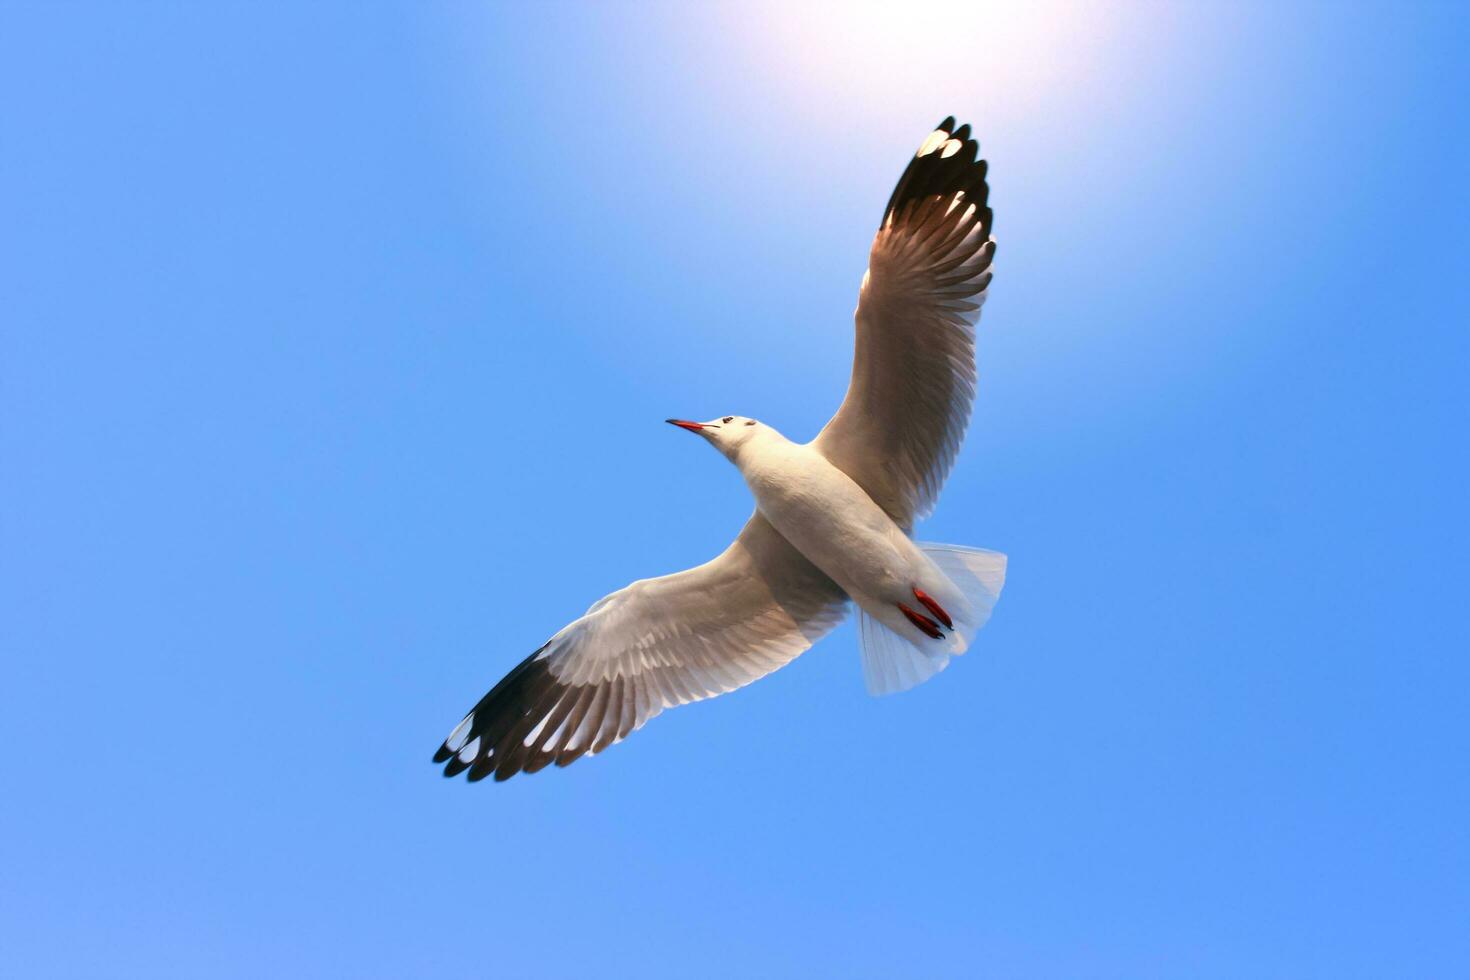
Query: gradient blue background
(334, 349)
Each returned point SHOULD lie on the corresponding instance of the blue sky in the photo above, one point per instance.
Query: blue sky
(335, 348)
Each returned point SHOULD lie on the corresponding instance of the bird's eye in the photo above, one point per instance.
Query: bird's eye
(751, 422)
(728, 418)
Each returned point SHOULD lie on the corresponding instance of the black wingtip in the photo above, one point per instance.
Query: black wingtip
(494, 733)
(937, 173)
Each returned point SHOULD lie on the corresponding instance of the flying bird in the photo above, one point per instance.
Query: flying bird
(833, 521)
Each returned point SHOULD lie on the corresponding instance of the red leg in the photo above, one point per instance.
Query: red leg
(924, 623)
(934, 608)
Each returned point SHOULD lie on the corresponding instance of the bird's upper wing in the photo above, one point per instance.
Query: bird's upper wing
(913, 374)
(658, 643)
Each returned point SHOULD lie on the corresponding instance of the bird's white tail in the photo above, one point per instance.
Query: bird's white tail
(890, 662)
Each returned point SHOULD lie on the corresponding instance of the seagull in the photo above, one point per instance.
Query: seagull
(833, 522)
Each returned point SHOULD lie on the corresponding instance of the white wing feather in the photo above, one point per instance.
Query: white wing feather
(913, 376)
(658, 643)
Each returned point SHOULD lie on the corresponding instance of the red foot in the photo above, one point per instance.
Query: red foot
(934, 607)
(924, 623)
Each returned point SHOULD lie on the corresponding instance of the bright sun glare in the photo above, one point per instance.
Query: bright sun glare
(897, 58)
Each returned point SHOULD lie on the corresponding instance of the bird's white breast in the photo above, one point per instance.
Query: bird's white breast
(837, 526)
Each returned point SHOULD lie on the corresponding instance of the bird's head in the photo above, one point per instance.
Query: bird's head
(726, 434)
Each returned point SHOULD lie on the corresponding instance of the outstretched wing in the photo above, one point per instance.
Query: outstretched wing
(658, 643)
(913, 374)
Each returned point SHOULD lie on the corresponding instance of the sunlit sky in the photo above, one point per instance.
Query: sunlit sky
(335, 347)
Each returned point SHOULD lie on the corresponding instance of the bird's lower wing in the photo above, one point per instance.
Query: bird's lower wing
(913, 374)
(658, 643)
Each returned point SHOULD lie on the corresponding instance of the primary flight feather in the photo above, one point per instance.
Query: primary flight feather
(833, 517)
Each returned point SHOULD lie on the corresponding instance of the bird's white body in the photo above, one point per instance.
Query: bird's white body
(838, 528)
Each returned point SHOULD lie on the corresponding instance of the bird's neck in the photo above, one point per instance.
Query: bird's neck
(761, 446)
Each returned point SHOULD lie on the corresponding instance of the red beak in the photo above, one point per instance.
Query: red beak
(691, 426)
